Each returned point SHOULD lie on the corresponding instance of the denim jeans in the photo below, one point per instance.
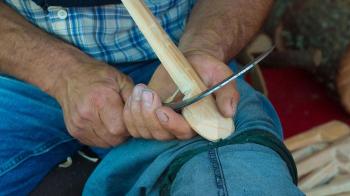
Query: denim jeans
(33, 139)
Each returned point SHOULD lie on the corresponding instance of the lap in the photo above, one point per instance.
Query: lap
(245, 169)
(135, 167)
(34, 139)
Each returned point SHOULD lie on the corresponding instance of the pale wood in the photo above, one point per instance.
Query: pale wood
(303, 153)
(203, 116)
(328, 132)
(339, 150)
(319, 177)
(339, 186)
(342, 194)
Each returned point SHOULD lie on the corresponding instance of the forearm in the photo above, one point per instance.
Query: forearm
(222, 28)
(31, 54)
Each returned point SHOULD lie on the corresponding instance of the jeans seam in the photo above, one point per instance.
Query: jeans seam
(218, 171)
(221, 171)
(20, 158)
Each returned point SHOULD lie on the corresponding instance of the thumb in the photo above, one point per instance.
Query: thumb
(227, 99)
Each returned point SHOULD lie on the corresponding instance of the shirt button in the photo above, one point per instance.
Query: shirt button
(62, 14)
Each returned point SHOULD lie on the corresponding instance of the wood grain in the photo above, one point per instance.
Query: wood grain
(337, 151)
(339, 186)
(203, 116)
(327, 132)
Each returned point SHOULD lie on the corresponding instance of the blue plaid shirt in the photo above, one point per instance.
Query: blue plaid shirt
(106, 33)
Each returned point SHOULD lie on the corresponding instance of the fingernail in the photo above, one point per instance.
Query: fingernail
(162, 116)
(136, 95)
(234, 105)
(147, 97)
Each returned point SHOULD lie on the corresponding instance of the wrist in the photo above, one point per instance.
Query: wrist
(69, 64)
(65, 66)
(82, 71)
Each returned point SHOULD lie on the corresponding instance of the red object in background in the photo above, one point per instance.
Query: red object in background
(300, 101)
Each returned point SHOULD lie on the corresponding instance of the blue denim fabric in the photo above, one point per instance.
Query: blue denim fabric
(33, 139)
(135, 167)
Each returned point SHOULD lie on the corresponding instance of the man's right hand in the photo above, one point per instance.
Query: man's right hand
(92, 97)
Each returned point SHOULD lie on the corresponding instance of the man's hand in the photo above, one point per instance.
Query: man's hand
(145, 116)
(92, 98)
(212, 71)
(215, 32)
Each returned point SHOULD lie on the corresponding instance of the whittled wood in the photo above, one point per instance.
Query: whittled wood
(319, 176)
(303, 153)
(337, 151)
(339, 186)
(203, 116)
(327, 132)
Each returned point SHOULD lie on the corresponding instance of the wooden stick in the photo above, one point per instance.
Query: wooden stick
(338, 186)
(303, 153)
(203, 116)
(319, 176)
(338, 150)
(324, 133)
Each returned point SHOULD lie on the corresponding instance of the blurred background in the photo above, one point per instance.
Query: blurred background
(307, 77)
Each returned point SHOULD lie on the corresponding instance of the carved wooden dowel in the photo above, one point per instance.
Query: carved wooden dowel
(338, 150)
(327, 132)
(339, 186)
(202, 116)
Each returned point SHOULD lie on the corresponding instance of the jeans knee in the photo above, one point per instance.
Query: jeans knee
(244, 169)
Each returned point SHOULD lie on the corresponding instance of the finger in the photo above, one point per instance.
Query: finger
(136, 112)
(128, 119)
(150, 102)
(80, 129)
(110, 125)
(88, 117)
(95, 138)
(126, 88)
(174, 123)
(227, 99)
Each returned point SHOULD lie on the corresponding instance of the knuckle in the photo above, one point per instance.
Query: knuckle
(84, 112)
(76, 133)
(77, 120)
(184, 136)
(158, 135)
(118, 131)
(100, 95)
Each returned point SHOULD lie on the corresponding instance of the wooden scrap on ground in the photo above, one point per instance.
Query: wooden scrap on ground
(328, 132)
(339, 186)
(322, 154)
